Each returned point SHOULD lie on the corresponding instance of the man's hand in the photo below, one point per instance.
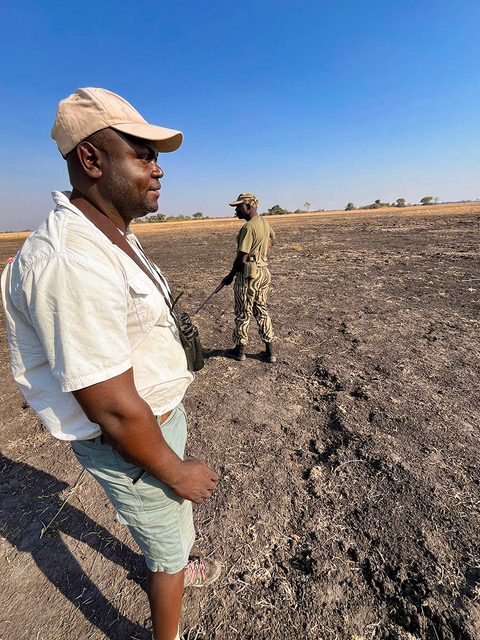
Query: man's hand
(226, 281)
(129, 426)
(196, 482)
(238, 263)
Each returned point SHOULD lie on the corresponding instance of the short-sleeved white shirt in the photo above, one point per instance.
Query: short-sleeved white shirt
(80, 311)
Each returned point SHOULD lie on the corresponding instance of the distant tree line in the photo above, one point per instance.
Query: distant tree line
(162, 217)
(399, 202)
(277, 210)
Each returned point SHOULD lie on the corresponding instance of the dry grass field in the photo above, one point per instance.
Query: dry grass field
(349, 496)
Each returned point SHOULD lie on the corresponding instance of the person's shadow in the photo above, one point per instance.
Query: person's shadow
(24, 491)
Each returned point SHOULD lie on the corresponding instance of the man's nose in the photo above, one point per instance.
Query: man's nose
(157, 172)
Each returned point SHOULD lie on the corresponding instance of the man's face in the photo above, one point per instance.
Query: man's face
(241, 211)
(130, 176)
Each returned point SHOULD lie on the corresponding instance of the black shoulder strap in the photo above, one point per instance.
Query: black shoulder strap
(108, 228)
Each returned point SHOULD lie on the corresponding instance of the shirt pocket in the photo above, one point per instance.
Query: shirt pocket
(146, 304)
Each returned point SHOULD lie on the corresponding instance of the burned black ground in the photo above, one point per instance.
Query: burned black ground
(349, 498)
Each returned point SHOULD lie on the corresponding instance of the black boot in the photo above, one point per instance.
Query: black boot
(238, 353)
(270, 352)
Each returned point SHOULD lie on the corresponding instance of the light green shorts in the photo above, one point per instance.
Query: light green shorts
(160, 522)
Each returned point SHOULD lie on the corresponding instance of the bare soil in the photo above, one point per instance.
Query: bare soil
(348, 504)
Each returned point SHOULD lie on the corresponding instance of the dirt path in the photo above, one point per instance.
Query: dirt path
(349, 499)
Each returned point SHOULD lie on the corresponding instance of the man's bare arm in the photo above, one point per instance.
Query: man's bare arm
(238, 264)
(130, 427)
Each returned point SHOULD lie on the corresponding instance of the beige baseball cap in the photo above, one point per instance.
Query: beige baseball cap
(247, 198)
(91, 109)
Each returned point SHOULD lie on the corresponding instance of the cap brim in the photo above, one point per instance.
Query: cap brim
(165, 139)
(234, 204)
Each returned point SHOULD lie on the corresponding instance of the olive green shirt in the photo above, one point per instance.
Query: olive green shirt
(254, 238)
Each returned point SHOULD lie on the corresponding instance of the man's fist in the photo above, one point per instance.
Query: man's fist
(196, 481)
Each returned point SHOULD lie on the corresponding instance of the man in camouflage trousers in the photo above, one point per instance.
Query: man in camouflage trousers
(252, 277)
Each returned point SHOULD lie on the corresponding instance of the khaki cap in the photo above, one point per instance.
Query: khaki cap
(91, 109)
(247, 198)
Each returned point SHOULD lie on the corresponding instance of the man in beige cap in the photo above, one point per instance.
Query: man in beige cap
(252, 277)
(94, 346)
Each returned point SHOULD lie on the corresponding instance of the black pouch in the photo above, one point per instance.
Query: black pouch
(191, 342)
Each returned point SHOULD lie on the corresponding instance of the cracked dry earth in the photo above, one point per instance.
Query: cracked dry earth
(348, 504)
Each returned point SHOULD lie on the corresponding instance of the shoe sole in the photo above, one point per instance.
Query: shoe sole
(237, 358)
(210, 580)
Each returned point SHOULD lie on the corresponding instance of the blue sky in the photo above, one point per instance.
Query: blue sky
(314, 101)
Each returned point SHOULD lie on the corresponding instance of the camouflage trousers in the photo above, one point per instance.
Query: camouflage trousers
(251, 298)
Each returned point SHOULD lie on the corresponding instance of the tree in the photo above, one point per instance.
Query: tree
(198, 215)
(180, 217)
(159, 217)
(306, 206)
(276, 210)
(378, 204)
(350, 206)
(437, 199)
(400, 202)
(426, 200)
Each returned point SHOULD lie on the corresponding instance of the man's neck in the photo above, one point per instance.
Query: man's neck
(76, 198)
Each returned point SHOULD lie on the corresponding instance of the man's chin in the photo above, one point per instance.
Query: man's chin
(150, 207)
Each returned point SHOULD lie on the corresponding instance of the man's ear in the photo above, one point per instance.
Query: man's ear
(89, 159)
(249, 206)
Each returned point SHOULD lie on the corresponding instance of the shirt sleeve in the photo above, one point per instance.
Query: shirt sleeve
(245, 240)
(78, 308)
